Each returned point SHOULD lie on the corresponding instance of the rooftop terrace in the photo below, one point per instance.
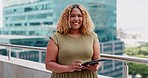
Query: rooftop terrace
(19, 68)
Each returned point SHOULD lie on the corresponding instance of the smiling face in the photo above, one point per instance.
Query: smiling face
(76, 19)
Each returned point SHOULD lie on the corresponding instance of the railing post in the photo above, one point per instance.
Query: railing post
(9, 53)
(40, 56)
(17, 54)
(125, 70)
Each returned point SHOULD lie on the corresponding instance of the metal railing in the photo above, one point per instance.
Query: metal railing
(107, 56)
(123, 58)
(9, 46)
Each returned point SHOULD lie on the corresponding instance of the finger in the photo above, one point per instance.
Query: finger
(96, 64)
(75, 62)
(78, 61)
(88, 65)
(74, 67)
(78, 69)
(78, 64)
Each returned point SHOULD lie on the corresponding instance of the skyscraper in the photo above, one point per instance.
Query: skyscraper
(103, 14)
(40, 17)
(32, 18)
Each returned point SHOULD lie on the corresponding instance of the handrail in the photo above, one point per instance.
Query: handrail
(107, 56)
(125, 58)
(21, 46)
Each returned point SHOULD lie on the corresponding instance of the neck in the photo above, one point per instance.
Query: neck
(74, 32)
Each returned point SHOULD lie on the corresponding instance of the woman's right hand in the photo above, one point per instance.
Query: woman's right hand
(75, 66)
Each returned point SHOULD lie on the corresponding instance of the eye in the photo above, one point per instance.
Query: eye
(80, 15)
(72, 15)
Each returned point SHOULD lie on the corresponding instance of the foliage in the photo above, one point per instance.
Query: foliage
(141, 50)
(136, 68)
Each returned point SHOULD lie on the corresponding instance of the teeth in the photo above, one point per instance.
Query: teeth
(76, 23)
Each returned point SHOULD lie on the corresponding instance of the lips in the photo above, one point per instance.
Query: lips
(76, 23)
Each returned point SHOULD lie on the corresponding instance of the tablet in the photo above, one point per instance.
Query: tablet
(93, 62)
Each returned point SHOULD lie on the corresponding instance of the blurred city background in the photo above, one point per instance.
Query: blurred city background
(26, 25)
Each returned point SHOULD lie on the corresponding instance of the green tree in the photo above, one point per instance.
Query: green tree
(136, 68)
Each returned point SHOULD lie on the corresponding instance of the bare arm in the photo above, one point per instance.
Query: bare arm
(96, 55)
(96, 50)
(51, 56)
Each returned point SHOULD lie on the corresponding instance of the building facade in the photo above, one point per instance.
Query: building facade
(103, 14)
(112, 68)
(40, 17)
(34, 18)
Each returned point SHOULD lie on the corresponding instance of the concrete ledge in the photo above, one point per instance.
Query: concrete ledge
(1, 69)
(19, 68)
(24, 63)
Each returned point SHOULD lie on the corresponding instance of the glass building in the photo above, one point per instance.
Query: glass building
(40, 18)
(103, 14)
(32, 18)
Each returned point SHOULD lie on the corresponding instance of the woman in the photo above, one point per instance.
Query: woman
(74, 43)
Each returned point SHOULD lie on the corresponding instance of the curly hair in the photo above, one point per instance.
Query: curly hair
(63, 24)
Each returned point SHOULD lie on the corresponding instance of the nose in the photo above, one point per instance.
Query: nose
(76, 18)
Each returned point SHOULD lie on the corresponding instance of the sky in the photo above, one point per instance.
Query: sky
(131, 14)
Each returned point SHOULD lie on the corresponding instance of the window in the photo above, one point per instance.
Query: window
(48, 23)
(35, 24)
(31, 32)
(39, 7)
(10, 25)
(30, 17)
(18, 18)
(17, 24)
(27, 9)
(48, 6)
(50, 14)
(40, 16)
(25, 24)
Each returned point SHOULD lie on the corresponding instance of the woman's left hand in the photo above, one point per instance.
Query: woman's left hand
(93, 68)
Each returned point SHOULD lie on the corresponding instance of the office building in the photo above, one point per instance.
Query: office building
(103, 14)
(40, 17)
(32, 18)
